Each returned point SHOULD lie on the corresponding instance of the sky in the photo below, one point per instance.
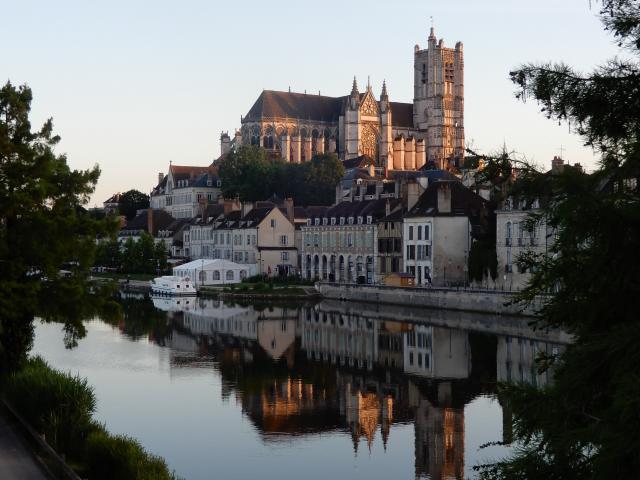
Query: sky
(133, 85)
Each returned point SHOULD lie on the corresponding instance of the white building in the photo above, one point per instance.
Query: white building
(214, 272)
(183, 190)
(437, 233)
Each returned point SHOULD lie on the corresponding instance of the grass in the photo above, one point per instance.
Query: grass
(60, 406)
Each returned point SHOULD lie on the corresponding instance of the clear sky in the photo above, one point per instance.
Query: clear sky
(132, 85)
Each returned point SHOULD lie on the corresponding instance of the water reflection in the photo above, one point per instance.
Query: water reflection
(358, 369)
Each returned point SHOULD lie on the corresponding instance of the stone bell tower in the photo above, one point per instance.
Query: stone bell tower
(438, 101)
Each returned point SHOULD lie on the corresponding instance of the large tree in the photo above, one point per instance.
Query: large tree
(249, 174)
(586, 424)
(43, 225)
(132, 201)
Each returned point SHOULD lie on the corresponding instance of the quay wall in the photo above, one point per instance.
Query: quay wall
(485, 301)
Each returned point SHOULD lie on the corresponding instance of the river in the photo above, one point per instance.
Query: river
(330, 390)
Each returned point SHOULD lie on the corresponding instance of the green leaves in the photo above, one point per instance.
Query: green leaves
(250, 175)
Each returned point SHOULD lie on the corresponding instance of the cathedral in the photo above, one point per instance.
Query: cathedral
(397, 136)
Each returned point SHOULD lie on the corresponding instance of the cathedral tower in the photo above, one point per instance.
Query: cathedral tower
(438, 104)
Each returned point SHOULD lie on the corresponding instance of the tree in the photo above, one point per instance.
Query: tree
(246, 172)
(43, 224)
(586, 424)
(132, 201)
(250, 175)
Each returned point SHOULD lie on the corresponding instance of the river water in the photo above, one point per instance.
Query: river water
(317, 391)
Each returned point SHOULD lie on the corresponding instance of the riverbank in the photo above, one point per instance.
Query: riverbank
(482, 301)
(244, 292)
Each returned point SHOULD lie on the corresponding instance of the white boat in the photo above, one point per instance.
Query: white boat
(171, 285)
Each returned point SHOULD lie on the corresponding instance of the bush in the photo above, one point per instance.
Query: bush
(60, 405)
(121, 457)
(57, 404)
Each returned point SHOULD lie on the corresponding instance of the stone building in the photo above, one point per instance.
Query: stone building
(341, 243)
(182, 191)
(437, 233)
(260, 235)
(397, 136)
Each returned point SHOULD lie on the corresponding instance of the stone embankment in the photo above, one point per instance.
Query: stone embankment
(485, 301)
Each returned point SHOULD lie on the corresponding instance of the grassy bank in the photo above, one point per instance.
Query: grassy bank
(124, 276)
(60, 407)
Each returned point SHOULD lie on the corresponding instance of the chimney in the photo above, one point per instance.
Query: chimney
(290, 211)
(246, 207)
(160, 177)
(413, 194)
(444, 197)
(557, 165)
(150, 221)
(231, 205)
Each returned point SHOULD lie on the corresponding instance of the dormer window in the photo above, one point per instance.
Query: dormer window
(209, 183)
(317, 221)
(341, 220)
(359, 220)
(369, 219)
(350, 220)
(333, 220)
(219, 184)
(325, 221)
(308, 222)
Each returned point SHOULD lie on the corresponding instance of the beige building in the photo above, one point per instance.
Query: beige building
(398, 136)
(260, 235)
(437, 233)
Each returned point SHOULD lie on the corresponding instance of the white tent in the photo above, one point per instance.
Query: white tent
(214, 272)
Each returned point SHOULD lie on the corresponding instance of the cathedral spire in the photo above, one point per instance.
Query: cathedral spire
(384, 96)
(354, 88)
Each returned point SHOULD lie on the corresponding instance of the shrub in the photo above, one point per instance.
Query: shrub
(57, 404)
(121, 457)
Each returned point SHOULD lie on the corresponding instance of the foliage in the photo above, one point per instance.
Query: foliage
(141, 256)
(57, 404)
(43, 225)
(132, 201)
(483, 261)
(60, 406)
(122, 457)
(249, 174)
(586, 424)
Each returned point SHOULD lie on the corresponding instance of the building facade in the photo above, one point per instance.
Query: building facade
(397, 136)
(437, 233)
(183, 190)
(341, 244)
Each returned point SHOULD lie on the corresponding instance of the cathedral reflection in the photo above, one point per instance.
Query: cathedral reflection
(357, 369)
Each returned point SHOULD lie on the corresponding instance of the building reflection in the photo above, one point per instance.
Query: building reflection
(358, 370)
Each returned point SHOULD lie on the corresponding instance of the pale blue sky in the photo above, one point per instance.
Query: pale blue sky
(132, 85)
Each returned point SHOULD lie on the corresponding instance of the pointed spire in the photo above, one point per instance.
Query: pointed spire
(354, 88)
(384, 95)
(368, 82)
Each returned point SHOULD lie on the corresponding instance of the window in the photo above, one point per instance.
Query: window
(273, 223)
(369, 219)
(284, 256)
(410, 233)
(419, 232)
(359, 220)
(333, 220)
(317, 222)
(325, 220)
(349, 240)
(427, 231)
(350, 220)
(243, 274)
(411, 252)
(229, 274)
(341, 220)
(216, 275)
(283, 240)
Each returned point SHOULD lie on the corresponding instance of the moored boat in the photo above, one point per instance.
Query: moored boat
(172, 285)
